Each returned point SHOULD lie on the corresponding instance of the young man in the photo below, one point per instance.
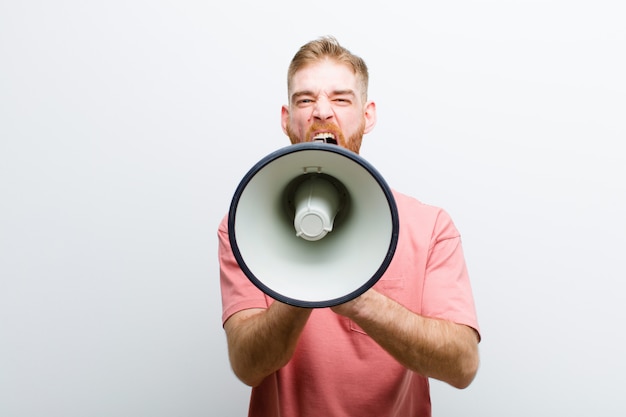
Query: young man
(373, 355)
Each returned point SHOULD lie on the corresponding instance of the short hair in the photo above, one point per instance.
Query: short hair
(327, 47)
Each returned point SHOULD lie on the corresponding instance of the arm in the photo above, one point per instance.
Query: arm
(431, 347)
(262, 341)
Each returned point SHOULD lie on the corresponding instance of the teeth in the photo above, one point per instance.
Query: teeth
(324, 136)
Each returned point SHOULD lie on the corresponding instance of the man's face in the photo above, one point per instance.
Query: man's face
(325, 102)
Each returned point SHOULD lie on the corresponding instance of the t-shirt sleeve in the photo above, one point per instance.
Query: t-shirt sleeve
(238, 292)
(447, 289)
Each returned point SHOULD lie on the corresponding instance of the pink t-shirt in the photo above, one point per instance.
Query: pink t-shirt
(337, 370)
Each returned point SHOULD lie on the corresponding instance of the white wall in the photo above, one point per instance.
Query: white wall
(126, 125)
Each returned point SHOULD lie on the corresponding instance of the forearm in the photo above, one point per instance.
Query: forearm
(262, 341)
(431, 347)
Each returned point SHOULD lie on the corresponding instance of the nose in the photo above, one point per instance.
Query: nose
(322, 109)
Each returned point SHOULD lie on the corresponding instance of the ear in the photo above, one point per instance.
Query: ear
(284, 117)
(370, 116)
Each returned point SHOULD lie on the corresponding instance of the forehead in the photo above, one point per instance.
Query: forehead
(325, 76)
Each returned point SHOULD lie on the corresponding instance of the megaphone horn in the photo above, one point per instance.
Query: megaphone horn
(313, 225)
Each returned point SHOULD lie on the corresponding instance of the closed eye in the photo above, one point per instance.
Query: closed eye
(343, 96)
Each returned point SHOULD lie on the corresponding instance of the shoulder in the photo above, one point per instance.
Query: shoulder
(415, 213)
(223, 224)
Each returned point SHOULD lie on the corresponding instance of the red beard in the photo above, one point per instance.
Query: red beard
(352, 143)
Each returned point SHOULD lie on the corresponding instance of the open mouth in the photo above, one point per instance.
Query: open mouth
(326, 137)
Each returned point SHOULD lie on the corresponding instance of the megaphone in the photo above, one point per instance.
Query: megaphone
(313, 225)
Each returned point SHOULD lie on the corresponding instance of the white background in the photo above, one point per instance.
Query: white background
(125, 127)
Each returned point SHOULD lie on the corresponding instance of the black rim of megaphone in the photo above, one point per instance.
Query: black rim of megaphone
(299, 147)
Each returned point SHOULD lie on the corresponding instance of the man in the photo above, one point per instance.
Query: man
(373, 355)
